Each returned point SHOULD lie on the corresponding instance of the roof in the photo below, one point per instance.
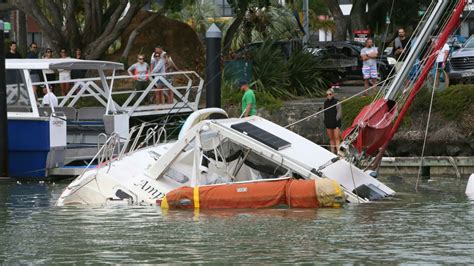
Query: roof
(57, 63)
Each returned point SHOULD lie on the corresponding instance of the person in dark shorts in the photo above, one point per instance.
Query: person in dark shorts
(332, 120)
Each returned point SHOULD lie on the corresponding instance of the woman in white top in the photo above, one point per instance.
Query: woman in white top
(64, 74)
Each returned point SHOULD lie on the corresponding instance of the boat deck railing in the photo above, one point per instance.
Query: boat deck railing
(186, 87)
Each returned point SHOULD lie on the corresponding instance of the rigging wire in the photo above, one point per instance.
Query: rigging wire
(434, 87)
(426, 131)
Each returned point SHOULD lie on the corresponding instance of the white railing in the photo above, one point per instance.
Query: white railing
(185, 85)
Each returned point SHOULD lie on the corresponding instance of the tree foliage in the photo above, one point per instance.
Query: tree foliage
(92, 25)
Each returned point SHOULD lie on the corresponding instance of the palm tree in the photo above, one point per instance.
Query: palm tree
(261, 23)
(197, 15)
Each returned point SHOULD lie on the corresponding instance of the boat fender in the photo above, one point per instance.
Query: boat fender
(470, 186)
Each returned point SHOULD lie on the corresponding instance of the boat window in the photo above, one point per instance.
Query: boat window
(18, 99)
(267, 168)
(245, 158)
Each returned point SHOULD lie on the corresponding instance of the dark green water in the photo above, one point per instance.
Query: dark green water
(435, 225)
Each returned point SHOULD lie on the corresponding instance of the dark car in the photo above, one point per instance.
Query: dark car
(461, 64)
(342, 60)
(287, 47)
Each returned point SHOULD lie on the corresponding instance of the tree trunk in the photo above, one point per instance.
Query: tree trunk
(359, 15)
(22, 38)
(230, 33)
(104, 21)
(341, 23)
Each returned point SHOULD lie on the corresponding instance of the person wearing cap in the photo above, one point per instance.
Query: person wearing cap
(249, 102)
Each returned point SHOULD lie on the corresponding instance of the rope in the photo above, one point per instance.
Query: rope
(426, 131)
(353, 180)
(386, 33)
(338, 103)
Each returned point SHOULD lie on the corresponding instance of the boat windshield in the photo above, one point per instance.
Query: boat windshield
(18, 98)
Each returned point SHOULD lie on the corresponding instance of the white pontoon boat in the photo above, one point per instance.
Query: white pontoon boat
(43, 139)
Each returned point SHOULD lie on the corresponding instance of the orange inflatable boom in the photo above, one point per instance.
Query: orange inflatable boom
(259, 194)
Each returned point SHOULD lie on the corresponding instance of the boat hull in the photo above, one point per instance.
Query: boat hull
(34, 146)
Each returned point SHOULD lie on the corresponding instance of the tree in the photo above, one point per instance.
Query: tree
(404, 13)
(257, 20)
(339, 19)
(92, 25)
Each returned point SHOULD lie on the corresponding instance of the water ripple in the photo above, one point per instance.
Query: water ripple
(431, 226)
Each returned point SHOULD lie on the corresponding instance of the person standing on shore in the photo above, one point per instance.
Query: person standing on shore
(332, 120)
(441, 59)
(249, 102)
(400, 46)
(49, 73)
(400, 43)
(139, 71)
(64, 74)
(159, 67)
(78, 73)
(36, 75)
(12, 52)
(369, 64)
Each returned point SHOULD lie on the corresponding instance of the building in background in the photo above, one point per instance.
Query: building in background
(33, 32)
(467, 23)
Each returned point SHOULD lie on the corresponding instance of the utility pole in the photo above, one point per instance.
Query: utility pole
(306, 22)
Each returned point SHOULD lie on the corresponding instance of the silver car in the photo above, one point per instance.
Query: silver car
(461, 64)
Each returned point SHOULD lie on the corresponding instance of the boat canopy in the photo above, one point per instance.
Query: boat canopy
(67, 63)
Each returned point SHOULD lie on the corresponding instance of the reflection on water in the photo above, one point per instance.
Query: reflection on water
(434, 225)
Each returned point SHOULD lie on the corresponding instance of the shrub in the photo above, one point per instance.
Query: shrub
(232, 96)
(284, 78)
(305, 77)
(270, 71)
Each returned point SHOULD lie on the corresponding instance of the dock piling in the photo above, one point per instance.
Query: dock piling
(213, 67)
(3, 108)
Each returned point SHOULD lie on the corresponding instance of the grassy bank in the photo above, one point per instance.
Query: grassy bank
(455, 103)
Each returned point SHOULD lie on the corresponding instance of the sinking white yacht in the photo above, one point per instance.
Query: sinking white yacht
(221, 162)
(218, 151)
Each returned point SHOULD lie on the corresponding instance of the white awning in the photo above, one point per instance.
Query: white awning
(67, 63)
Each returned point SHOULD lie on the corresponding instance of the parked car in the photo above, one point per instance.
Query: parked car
(461, 64)
(342, 60)
(287, 47)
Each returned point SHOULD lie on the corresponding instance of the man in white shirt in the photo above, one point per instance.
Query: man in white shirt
(441, 62)
(49, 98)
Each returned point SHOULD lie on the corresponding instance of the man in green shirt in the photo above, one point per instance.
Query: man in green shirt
(249, 103)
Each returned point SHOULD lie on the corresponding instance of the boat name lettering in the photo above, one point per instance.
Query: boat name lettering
(58, 123)
(148, 188)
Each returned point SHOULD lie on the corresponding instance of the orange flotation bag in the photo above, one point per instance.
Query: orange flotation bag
(259, 194)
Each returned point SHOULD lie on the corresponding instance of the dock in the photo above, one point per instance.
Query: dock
(433, 166)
